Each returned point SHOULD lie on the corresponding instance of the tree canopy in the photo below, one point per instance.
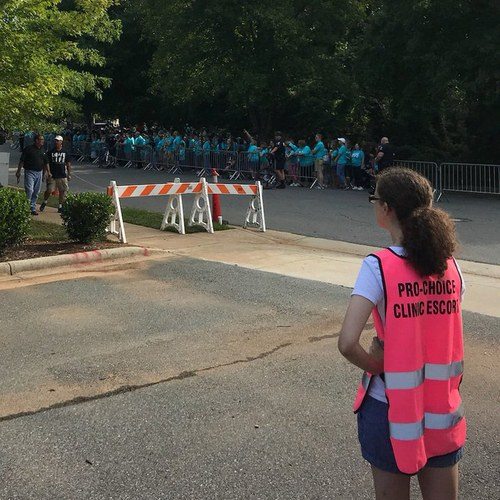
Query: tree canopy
(425, 73)
(49, 50)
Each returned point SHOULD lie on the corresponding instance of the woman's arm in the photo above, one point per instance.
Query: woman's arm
(355, 320)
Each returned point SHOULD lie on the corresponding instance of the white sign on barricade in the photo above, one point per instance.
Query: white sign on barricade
(201, 214)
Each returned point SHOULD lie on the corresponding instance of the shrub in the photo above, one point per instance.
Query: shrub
(86, 216)
(15, 217)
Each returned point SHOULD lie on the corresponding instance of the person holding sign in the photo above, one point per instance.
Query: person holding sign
(409, 410)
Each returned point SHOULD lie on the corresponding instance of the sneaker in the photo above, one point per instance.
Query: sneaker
(59, 210)
(318, 186)
(360, 188)
(42, 206)
(34, 212)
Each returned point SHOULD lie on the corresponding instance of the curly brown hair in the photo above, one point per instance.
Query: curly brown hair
(429, 237)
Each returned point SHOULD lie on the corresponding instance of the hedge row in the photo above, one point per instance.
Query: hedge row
(85, 217)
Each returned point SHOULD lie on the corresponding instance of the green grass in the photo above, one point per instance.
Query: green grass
(151, 219)
(47, 231)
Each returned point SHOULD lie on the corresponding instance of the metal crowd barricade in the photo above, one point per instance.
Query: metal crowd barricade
(428, 169)
(123, 158)
(79, 150)
(470, 178)
(247, 166)
(304, 172)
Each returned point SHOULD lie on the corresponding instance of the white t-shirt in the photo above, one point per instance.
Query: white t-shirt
(369, 285)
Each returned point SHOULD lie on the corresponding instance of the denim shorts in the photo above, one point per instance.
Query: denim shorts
(376, 447)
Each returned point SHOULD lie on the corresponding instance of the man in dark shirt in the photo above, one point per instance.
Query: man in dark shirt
(385, 154)
(35, 163)
(278, 153)
(59, 173)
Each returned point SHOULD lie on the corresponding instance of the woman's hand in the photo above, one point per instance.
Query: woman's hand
(376, 351)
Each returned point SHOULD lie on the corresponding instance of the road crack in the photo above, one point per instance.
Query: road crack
(134, 387)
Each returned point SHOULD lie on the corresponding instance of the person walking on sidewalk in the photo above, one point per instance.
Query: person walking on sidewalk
(58, 175)
(35, 163)
(408, 405)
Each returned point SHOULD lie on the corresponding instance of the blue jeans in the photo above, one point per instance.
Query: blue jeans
(341, 172)
(32, 184)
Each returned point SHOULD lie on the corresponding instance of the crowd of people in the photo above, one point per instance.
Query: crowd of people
(323, 162)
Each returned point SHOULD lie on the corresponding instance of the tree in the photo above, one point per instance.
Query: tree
(427, 76)
(47, 58)
(257, 60)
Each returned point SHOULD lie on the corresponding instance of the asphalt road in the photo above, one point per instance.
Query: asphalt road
(232, 389)
(337, 215)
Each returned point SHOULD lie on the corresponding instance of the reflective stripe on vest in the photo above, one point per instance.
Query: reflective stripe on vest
(414, 430)
(430, 371)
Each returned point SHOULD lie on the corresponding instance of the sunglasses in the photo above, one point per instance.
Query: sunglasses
(372, 198)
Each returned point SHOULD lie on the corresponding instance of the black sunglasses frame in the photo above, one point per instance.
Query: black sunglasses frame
(372, 198)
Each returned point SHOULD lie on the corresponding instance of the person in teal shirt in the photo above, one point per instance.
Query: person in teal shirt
(319, 153)
(253, 158)
(306, 160)
(341, 160)
(207, 146)
(128, 146)
(139, 140)
(139, 143)
(357, 163)
(177, 141)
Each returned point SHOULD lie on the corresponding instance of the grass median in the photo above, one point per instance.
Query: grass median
(146, 218)
(151, 219)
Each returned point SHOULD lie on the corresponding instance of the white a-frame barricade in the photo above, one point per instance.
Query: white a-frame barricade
(201, 214)
(255, 212)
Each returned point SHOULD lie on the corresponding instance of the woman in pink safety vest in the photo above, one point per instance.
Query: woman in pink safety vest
(409, 410)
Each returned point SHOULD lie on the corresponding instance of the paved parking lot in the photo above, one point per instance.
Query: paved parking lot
(183, 379)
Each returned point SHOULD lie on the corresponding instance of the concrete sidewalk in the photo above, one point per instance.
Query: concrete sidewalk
(298, 256)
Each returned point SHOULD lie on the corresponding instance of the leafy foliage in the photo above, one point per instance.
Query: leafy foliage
(421, 72)
(86, 216)
(48, 51)
(15, 217)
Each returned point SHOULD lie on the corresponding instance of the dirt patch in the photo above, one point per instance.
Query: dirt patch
(32, 249)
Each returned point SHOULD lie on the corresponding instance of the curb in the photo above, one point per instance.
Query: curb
(20, 266)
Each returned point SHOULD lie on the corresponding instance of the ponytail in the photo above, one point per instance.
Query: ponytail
(429, 237)
(429, 240)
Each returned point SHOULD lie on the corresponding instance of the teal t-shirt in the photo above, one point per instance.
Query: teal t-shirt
(342, 155)
(319, 150)
(253, 153)
(128, 145)
(357, 157)
(305, 156)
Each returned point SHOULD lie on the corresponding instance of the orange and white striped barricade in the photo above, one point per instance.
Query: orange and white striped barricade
(174, 213)
(255, 212)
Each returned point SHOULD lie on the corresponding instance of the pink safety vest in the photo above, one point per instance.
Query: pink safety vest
(423, 361)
